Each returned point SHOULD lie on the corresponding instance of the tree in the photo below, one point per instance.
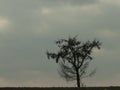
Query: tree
(74, 57)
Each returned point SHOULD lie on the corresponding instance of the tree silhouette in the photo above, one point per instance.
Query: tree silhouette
(74, 57)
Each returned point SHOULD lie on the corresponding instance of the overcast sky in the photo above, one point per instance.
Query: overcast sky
(29, 27)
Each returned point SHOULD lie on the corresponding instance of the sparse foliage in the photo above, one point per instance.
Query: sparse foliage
(74, 57)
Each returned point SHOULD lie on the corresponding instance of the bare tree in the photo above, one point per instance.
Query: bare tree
(74, 57)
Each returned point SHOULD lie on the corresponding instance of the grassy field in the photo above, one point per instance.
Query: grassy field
(60, 88)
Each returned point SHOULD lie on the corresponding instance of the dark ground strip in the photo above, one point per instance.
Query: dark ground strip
(59, 88)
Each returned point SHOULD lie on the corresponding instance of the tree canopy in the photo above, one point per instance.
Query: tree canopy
(74, 57)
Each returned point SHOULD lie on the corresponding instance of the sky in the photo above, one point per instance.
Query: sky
(28, 28)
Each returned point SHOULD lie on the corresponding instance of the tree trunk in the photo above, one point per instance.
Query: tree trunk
(78, 78)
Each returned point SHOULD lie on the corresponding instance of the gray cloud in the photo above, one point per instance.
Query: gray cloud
(37, 24)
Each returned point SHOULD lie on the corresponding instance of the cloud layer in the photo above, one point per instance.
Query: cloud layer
(29, 27)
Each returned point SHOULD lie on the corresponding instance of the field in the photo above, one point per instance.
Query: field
(60, 88)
